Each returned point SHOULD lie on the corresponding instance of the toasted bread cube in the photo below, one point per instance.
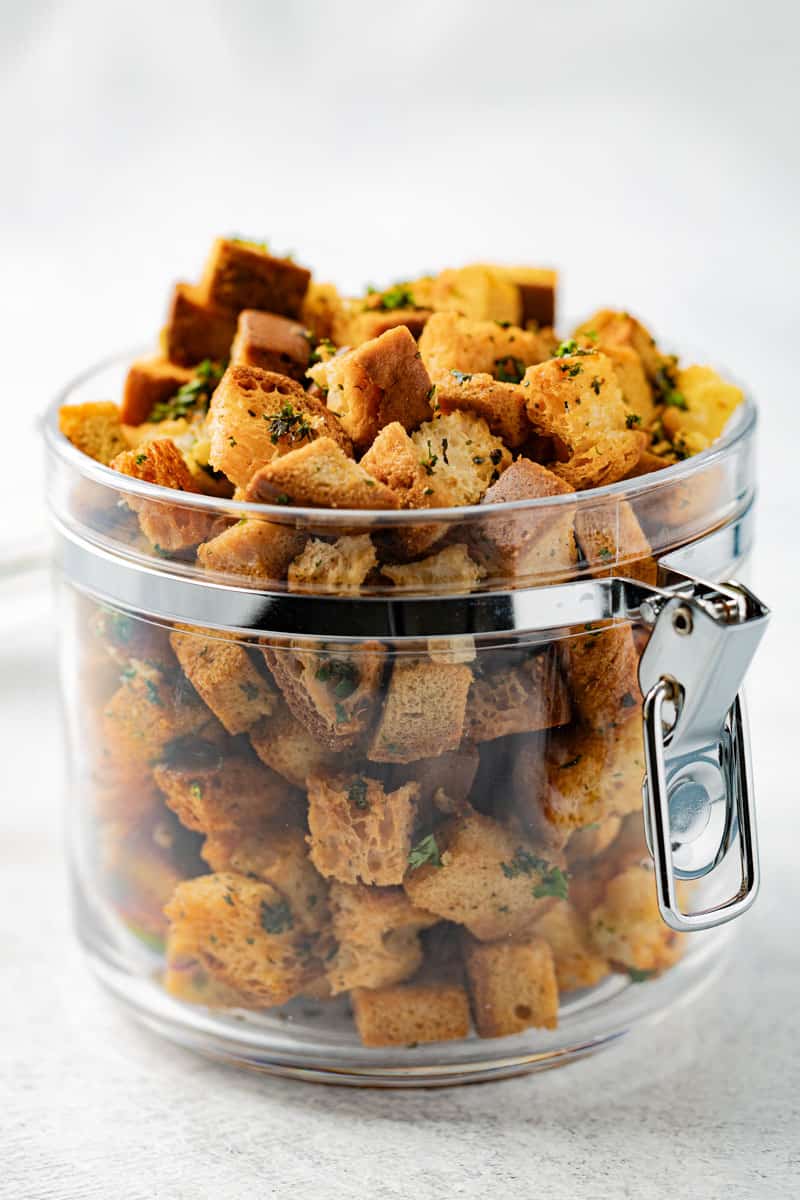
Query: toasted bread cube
(521, 699)
(450, 570)
(358, 832)
(587, 843)
(512, 986)
(609, 329)
(453, 346)
(138, 874)
(480, 291)
(196, 329)
(602, 671)
(94, 429)
(321, 309)
(257, 549)
(166, 526)
(637, 390)
(490, 879)
(529, 544)
(611, 458)
(283, 744)
(613, 542)
(241, 274)
(501, 404)
(150, 381)
(150, 709)
(256, 416)
(188, 980)
(278, 857)
(381, 381)
(626, 927)
(226, 678)
(365, 326)
(236, 793)
(319, 475)
(395, 460)
(331, 688)
(460, 452)
(338, 567)
(245, 934)
(423, 715)
(377, 934)
(537, 293)
(408, 1014)
(271, 343)
(577, 963)
(709, 400)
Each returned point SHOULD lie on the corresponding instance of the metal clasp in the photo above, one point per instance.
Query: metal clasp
(697, 793)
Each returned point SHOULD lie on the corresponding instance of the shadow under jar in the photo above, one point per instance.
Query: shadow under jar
(393, 833)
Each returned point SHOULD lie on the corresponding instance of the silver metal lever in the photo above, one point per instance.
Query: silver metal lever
(697, 793)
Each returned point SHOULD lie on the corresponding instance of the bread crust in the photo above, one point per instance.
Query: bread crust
(94, 429)
(319, 475)
(271, 343)
(150, 381)
(240, 274)
(196, 329)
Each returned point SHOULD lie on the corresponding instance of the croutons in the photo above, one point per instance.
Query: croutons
(150, 381)
(259, 549)
(283, 744)
(626, 927)
(241, 274)
(166, 526)
(271, 343)
(319, 475)
(151, 708)
(244, 933)
(321, 309)
(607, 328)
(602, 672)
(223, 673)
(537, 293)
(377, 934)
(450, 570)
(454, 347)
(395, 460)
(521, 699)
(423, 714)
(256, 416)
(512, 986)
(331, 690)
(501, 404)
(491, 881)
(363, 326)
(358, 832)
(479, 291)
(709, 402)
(236, 793)
(196, 328)
(95, 429)
(381, 381)
(338, 567)
(462, 454)
(408, 1014)
(613, 542)
(577, 963)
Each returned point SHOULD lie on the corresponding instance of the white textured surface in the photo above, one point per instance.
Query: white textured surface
(650, 151)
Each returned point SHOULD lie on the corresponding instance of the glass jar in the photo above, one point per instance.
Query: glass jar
(386, 827)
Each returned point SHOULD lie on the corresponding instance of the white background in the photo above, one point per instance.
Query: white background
(650, 151)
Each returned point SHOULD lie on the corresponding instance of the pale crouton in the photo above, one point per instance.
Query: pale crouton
(381, 381)
(512, 986)
(256, 416)
(358, 832)
(637, 391)
(479, 291)
(94, 429)
(241, 274)
(332, 689)
(501, 404)
(517, 699)
(234, 793)
(708, 404)
(196, 329)
(151, 708)
(409, 1014)
(124, 636)
(577, 963)
(321, 309)
(150, 381)
(613, 542)
(627, 927)
(377, 934)
(602, 672)
(244, 933)
(319, 475)
(338, 567)
(166, 526)
(283, 744)
(486, 878)
(453, 345)
(463, 456)
(271, 343)
(224, 675)
(450, 570)
(423, 714)
(188, 980)
(258, 549)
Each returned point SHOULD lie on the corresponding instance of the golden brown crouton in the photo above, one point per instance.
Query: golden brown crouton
(395, 460)
(196, 329)
(258, 549)
(363, 326)
(150, 381)
(521, 699)
(152, 708)
(256, 416)
(95, 429)
(512, 986)
(272, 343)
(377, 934)
(321, 309)
(188, 980)
(283, 744)
(411, 1013)
(338, 567)
(319, 475)
(332, 689)
(124, 636)
(381, 381)
(450, 570)
(167, 526)
(480, 291)
(463, 456)
(244, 933)
(358, 832)
(613, 542)
(607, 328)
(241, 274)
(138, 874)
(577, 964)
(224, 675)
(501, 404)
(611, 458)
(627, 927)
(454, 346)
(709, 402)
(423, 714)
(637, 390)
(237, 793)
(602, 671)
(489, 879)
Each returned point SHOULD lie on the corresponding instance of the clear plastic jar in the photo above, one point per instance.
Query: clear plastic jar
(391, 834)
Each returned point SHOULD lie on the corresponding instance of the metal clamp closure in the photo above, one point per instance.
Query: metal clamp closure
(697, 794)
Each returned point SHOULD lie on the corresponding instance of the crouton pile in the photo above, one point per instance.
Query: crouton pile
(436, 393)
